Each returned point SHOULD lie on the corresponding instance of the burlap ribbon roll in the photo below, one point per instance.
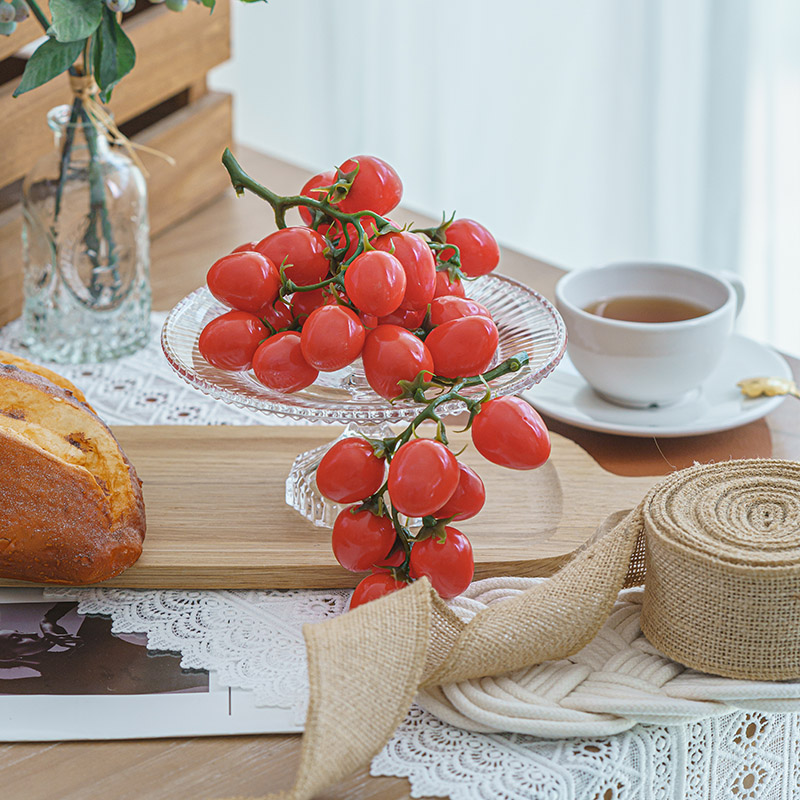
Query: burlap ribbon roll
(722, 564)
(717, 546)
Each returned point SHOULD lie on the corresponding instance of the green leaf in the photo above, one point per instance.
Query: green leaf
(75, 19)
(209, 3)
(48, 60)
(114, 55)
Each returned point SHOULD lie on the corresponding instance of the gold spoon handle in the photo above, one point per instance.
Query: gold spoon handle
(769, 387)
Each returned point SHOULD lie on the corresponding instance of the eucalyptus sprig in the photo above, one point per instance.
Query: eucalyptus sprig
(88, 28)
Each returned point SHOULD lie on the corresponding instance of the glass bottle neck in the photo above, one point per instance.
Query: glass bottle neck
(79, 128)
(83, 141)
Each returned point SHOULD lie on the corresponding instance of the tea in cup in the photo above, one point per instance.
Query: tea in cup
(646, 334)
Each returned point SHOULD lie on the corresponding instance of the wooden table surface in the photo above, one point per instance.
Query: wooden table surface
(216, 767)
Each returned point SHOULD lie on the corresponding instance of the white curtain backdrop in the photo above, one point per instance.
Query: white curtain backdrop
(580, 131)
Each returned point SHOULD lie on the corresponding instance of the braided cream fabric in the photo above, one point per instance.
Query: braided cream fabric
(618, 680)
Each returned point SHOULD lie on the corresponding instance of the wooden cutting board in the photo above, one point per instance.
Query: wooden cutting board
(216, 516)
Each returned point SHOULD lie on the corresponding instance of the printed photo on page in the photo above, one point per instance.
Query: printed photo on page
(64, 675)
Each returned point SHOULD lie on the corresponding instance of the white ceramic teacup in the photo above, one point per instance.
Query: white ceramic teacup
(647, 363)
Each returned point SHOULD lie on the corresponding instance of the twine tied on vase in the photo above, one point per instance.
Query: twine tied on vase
(85, 88)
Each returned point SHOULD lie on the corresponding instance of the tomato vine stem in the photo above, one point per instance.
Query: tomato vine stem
(513, 364)
(386, 448)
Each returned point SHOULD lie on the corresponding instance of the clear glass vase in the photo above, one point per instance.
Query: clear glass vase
(86, 247)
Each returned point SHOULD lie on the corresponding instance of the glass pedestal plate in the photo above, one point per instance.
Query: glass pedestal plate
(526, 321)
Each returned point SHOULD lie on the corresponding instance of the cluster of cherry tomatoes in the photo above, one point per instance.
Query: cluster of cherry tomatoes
(425, 480)
(313, 298)
(349, 283)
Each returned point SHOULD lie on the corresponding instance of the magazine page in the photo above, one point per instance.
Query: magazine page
(64, 675)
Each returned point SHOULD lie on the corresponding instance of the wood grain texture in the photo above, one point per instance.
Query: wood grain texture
(173, 51)
(170, 769)
(26, 32)
(216, 516)
(195, 137)
(10, 263)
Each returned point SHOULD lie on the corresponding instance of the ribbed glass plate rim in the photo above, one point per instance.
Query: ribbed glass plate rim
(299, 405)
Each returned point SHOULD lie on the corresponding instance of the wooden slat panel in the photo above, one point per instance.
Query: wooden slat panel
(10, 264)
(195, 136)
(173, 51)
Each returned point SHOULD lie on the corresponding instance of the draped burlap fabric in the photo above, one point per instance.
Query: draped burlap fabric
(717, 547)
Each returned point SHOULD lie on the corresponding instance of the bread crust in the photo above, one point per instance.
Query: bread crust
(71, 504)
(38, 369)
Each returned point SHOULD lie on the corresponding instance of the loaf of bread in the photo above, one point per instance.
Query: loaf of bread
(38, 369)
(71, 507)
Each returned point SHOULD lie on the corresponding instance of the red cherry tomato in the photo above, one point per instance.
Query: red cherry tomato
(508, 432)
(303, 303)
(444, 286)
(246, 281)
(279, 364)
(479, 251)
(468, 498)
(449, 565)
(229, 341)
(373, 587)
(463, 347)
(414, 254)
(350, 471)
(332, 338)
(449, 307)
(422, 477)
(376, 187)
(322, 179)
(392, 354)
(304, 249)
(395, 559)
(243, 248)
(370, 321)
(408, 318)
(375, 282)
(361, 539)
(278, 314)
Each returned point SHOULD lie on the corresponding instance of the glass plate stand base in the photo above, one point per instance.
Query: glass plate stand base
(525, 320)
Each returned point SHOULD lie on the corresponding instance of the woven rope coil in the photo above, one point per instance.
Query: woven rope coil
(617, 681)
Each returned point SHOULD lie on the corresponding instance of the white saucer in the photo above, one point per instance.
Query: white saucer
(717, 405)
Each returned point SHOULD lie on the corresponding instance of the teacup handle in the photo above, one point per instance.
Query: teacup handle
(738, 287)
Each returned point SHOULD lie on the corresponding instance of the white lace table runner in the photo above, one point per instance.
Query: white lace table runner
(253, 640)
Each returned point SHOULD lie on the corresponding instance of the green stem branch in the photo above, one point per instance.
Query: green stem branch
(66, 151)
(513, 364)
(39, 14)
(242, 182)
(98, 212)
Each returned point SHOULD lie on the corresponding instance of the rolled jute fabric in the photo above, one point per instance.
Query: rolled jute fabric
(722, 569)
(717, 547)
